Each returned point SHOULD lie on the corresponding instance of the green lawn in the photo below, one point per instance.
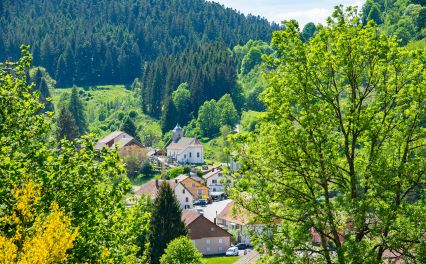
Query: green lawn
(220, 260)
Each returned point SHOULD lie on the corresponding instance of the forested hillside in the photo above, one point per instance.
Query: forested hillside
(108, 41)
(405, 19)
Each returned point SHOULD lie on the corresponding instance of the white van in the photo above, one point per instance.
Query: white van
(232, 251)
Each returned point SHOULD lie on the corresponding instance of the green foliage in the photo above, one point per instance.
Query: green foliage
(251, 59)
(402, 18)
(181, 251)
(140, 218)
(174, 172)
(129, 127)
(249, 120)
(341, 150)
(77, 110)
(212, 115)
(209, 118)
(308, 31)
(89, 185)
(112, 46)
(228, 113)
(66, 126)
(182, 101)
(168, 118)
(375, 15)
(166, 223)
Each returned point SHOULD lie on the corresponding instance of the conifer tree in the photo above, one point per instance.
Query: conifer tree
(375, 15)
(130, 128)
(77, 110)
(168, 118)
(166, 223)
(44, 94)
(66, 125)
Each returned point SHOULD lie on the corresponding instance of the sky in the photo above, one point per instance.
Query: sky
(303, 11)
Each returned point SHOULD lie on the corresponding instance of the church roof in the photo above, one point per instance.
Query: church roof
(177, 128)
(183, 143)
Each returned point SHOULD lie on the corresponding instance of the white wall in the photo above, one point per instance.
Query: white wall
(189, 155)
(218, 186)
(182, 194)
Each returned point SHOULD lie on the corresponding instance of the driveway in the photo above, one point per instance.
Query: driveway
(213, 209)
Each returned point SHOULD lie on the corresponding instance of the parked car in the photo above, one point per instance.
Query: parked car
(201, 202)
(241, 246)
(232, 251)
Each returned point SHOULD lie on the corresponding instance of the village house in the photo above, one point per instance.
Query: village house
(234, 223)
(183, 195)
(216, 182)
(207, 237)
(117, 139)
(184, 149)
(198, 190)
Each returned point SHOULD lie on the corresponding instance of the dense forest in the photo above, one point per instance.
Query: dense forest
(105, 42)
(406, 19)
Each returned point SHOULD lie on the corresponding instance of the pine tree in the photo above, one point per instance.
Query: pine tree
(375, 15)
(44, 94)
(38, 75)
(66, 125)
(77, 110)
(166, 223)
(168, 118)
(129, 127)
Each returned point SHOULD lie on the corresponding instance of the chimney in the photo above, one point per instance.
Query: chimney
(176, 181)
(214, 220)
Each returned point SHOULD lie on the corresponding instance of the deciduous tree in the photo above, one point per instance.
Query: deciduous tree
(181, 251)
(339, 159)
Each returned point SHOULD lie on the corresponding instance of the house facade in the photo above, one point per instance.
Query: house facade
(198, 190)
(215, 181)
(183, 195)
(184, 149)
(118, 139)
(207, 237)
(234, 223)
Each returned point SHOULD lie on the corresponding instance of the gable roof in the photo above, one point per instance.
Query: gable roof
(119, 138)
(229, 216)
(213, 172)
(183, 143)
(200, 227)
(182, 177)
(151, 188)
(189, 180)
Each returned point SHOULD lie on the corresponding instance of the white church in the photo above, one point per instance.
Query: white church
(184, 149)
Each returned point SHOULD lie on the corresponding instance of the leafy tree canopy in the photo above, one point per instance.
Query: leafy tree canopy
(339, 157)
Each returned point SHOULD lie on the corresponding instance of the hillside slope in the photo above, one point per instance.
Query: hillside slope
(89, 42)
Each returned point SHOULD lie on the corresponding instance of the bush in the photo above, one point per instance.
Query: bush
(174, 172)
(181, 251)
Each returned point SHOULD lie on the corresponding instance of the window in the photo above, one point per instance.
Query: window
(220, 242)
(186, 199)
(208, 241)
(208, 249)
(190, 154)
(184, 156)
(189, 230)
(212, 229)
(198, 154)
(220, 249)
(199, 191)
(214, 189)
(193, 185)
(183, 191)
(214, 181)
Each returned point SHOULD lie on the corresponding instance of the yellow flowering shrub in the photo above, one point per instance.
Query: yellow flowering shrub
(38, 238)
